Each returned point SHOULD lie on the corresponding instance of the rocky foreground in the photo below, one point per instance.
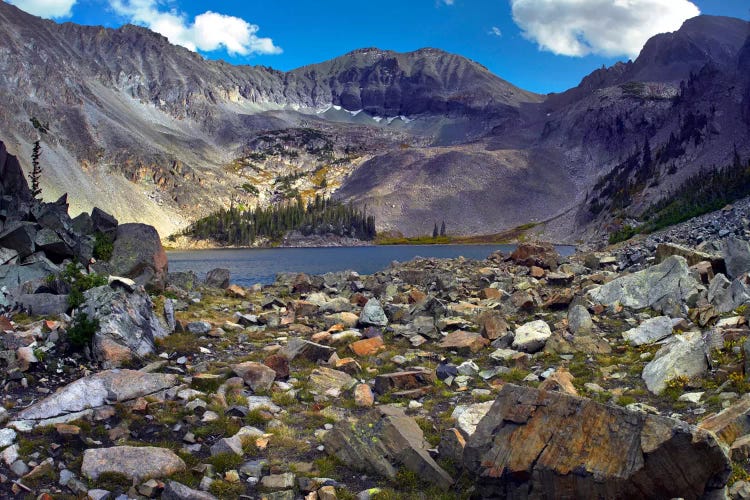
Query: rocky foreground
(620, 374)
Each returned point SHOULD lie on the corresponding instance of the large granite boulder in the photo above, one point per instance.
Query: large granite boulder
(725, 295)
(126, 319)
(102, 222)
(138, 254)
(736, 253)
(137, 463)
(546, 444)
(13, 276)
(20, 237)
(79, 398)
(682, 356)
(657, 286)
(382, 441)
(650, 331)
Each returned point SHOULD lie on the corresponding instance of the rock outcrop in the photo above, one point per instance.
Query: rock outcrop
(543, 444)
(656, 287)
(383, 440)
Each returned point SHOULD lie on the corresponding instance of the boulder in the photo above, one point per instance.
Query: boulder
(125, 318)
(579, 320)
(326, 382)
(19, 237)
(137, 463)
(535, 254)
(178, 491)
(78, 398)
(257, 376)
(692, 256)
(218, 278)
(13, 276)
(137, 253)
(466, 342)
(736, 254)
(53, 245)
(727, 296)
(546, 444)
(731, 423)
(12, 179)
(467, 417)
(301, 348)
(653, 287)
(372, 314)
(532, 336)
(683, 356)
(382, 441)
(43, 304)
(8, 256)
(650, 331)
(184, 280)
(102, 222)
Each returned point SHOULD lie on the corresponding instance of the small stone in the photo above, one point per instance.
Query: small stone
(278, 481)
(367, 347)
(531, 337)
(363, 396)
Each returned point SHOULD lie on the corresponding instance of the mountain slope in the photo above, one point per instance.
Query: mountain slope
(154, 132)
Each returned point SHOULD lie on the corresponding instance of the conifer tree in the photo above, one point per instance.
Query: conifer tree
(442, 229)
(36, 170)
(435, 231)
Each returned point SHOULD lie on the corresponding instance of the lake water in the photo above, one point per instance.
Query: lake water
(260, 265)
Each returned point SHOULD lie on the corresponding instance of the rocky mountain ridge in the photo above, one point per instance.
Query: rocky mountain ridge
(154, 132)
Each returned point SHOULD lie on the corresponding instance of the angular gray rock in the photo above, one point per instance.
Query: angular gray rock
(218, 278)
(736, 253)
(19, 237)
(683, 356)
(13, 276)
(669, 281)
(134, 462)
(257, 376)
(125, 318)
(383, 440)
(372, 314)
(43, 304)
(727, 296)
(650, 331)
(110, 386)
(579, 320)
(178, 491)
(546, 444)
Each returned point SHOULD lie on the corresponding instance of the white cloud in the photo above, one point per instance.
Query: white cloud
(495, 31)
(606, 27)
(208, 31)
(45, 8)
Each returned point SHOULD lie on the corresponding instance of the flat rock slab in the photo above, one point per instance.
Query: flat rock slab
(414, 379)
(135, 462)
(382, 441)
(94, 391)
(464, 341)
(546, 444)
(650, 331)
(327, 382)
(682, 356)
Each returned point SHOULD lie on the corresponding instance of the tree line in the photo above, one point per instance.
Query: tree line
(319, 216)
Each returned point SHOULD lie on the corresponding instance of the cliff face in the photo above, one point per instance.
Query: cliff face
(154, 132)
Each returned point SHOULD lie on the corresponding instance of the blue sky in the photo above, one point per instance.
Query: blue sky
(540, 45)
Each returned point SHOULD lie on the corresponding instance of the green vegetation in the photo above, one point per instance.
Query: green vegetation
(702, 193)
(103, 246)
(82, 331)
(36, 170)
(79, 283)
(319, 216)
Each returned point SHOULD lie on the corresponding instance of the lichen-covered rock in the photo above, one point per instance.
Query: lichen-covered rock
(125, 318)
(134, 462)
(531, 336)
(373, 314)
(736, 256)
(546, 444)
(653, 287)
(649, 331)
(683, 356)
(138, 254)
(384, 440)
